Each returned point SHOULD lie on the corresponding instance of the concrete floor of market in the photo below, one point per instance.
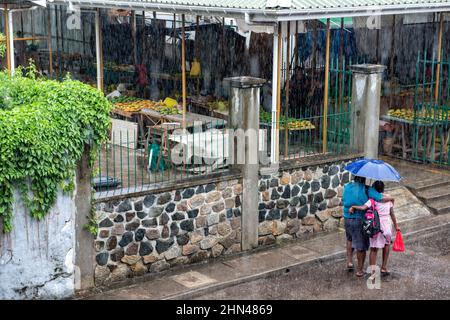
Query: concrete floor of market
(224, 278)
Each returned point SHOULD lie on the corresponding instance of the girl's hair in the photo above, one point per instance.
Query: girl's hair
(379, 186)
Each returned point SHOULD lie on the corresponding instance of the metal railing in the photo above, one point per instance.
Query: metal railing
(431, 115)
(129, 163)
(305, 134)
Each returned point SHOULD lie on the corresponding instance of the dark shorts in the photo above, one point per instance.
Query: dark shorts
(353, 232)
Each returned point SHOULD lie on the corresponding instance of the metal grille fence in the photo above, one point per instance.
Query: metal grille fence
(131, 163)
(431, 114)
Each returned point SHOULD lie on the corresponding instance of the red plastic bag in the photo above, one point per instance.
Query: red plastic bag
(398, 243)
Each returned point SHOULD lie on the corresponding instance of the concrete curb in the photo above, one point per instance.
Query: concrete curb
(407, 237)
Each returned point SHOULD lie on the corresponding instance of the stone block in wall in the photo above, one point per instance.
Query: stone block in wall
(323, 216)
(159, 266)
(309, 220)
(266, 240)
(208, 242)
(331, 224)
(151, 258)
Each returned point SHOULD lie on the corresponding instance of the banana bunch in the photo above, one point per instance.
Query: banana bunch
(422, 115)
(405, 114)
(294, 124)
(440, 115)
(136, 106)
(301, 125)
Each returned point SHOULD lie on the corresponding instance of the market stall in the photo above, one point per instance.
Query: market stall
(424, 131)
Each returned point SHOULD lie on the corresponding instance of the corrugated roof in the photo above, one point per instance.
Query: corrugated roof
(269, 4)
(237, 4)
(269, 10)
(315, 4)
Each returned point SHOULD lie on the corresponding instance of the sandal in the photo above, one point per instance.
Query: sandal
(360, 274)
(350, 267)
(385, 272)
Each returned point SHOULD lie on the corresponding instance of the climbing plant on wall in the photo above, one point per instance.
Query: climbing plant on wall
(44, 128)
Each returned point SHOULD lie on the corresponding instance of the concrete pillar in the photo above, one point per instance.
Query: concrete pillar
(84, 241)
(365, 108)
(243, 148)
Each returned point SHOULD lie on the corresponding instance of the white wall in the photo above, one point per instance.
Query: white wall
(37, 257)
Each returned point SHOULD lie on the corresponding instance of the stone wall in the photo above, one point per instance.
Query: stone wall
(300, 201)
(37, 257)
(155, 232)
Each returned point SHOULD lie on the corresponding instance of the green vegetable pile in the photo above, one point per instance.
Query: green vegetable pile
(165, 110)
(221, 106)
(45, 126)
(264, 116)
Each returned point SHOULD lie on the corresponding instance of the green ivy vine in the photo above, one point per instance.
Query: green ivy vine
(44, 127)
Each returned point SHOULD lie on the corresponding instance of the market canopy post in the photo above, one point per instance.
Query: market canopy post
(183, 68)
(439, 58)
(325, 92)
(274, 127)
(99, 50)
(7, 35)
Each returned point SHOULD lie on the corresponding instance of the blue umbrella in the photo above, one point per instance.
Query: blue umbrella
(373, 169)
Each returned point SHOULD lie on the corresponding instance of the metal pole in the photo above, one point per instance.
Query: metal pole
(183, 69)
(341, 60)
(49, 44)
(314, 57)
(438, 65)
(280, 37)
(274, 134)
(8, 52)
(133, 36)
(58, 53)
(10, 39)
(197, 50)
(391, 69)
(62, 29)
(174, 40)
(325, 94)
(98, 50)
(296, 44)
(144, 40)
(286, 112)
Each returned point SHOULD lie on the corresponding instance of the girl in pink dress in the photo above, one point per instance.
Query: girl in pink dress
(383, 239)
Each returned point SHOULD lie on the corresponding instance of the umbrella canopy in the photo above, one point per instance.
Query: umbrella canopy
(373, 169)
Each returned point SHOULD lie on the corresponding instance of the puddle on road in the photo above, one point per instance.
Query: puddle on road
(193, 279)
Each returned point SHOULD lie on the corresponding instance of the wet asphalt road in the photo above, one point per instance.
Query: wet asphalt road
(421, 272)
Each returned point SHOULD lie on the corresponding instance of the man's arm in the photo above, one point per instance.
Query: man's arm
(360, 208)
(375, 195)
